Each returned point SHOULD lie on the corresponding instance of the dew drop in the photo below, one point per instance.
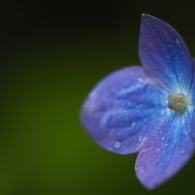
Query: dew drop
(117, 144)
(132, 125)
(182, 152)
(157, 149)
(177, 41)
(141, 170)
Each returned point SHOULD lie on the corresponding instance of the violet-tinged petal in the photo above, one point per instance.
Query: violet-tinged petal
(122, 108)
(192, 89)
(165, 55)
(166, 151)
(191, 100)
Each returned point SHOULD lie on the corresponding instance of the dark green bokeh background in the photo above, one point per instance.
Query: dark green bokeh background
(51, 55)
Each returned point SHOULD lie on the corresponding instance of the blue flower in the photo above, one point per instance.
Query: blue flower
(148, 109)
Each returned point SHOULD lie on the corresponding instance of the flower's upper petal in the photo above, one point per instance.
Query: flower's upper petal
(122, 108)
(191, 101)
(166, 151)
(164, 55)
(192, 89)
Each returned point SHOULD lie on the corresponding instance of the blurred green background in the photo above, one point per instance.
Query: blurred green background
(51, 55)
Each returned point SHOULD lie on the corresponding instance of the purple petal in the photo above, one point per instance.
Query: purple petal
(192, 90)
(122, 108)
(191, 100)
(166, 151)
(164, 55)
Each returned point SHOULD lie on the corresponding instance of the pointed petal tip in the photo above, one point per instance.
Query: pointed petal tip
(148, 17)
(145, 15)
(149, 186)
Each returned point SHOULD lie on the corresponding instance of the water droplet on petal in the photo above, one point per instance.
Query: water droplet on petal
(157, 149)
(117, 144)
(177, 41)
(163, 138)
(182, 152)
(141, 170)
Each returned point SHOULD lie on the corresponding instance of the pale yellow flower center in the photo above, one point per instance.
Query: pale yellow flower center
(177, 102)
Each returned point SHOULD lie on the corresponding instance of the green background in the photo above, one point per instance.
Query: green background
(51, 55)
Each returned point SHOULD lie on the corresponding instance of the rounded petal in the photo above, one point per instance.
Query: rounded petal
(164, 55)
(166, 151)
(122, 108)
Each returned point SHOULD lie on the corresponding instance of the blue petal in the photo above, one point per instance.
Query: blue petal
(164, 55)
(191, 96)
(191, 101)
(122, 108)
(166, 151)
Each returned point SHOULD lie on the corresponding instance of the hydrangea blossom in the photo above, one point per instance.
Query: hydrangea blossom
(148, 109)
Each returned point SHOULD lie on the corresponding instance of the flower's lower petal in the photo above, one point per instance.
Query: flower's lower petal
(192, 118)
(122, 108)
(166, 151)
(165, 55)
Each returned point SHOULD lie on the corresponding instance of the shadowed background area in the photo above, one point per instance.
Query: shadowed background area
(51, 55)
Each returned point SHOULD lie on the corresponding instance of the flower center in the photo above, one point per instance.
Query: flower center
(177, 102)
